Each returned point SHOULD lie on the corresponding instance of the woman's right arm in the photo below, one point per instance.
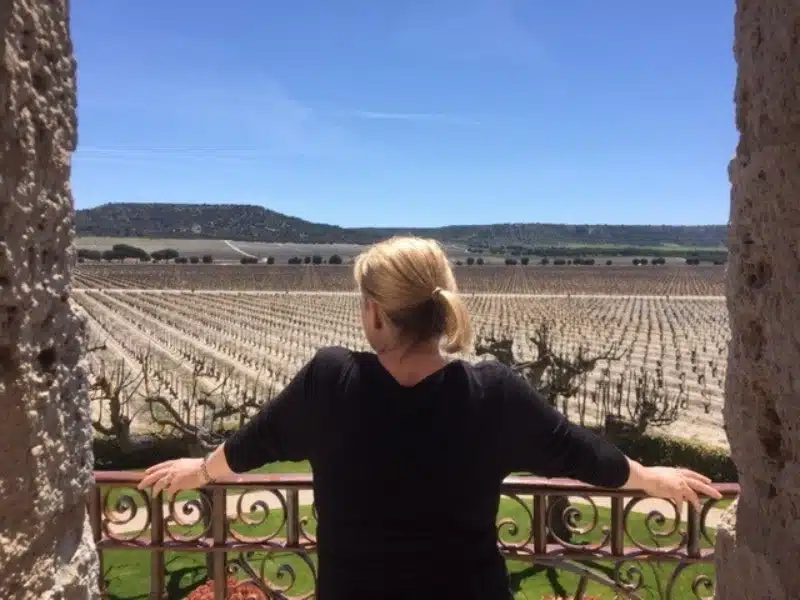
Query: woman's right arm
(277, 432)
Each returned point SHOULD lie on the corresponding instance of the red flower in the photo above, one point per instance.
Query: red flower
(549, 597)
(236, 591)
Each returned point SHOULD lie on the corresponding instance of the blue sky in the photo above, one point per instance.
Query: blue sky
(421, 112)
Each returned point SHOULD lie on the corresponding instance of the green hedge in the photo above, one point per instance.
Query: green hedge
(141, 452)
(657, 450)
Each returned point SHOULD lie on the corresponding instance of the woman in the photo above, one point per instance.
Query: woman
(408, 449)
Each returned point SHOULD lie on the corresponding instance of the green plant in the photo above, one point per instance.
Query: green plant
(661, 450)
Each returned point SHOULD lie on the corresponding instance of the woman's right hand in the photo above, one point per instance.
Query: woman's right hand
(676, 484)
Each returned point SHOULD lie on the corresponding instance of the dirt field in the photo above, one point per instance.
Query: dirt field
(222, 250)
(231, 250)
(251, 328)
(622, 280)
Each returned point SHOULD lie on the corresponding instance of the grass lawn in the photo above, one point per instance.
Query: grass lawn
(724, 503)
(127, 571)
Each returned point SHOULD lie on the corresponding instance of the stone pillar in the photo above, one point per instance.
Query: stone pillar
(759, 543)
(46, 544)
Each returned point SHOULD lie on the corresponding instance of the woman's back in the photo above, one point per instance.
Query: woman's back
(407, 479)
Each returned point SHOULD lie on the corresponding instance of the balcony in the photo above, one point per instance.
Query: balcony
(253, 537)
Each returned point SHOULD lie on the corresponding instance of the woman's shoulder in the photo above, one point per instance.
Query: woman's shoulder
(333, 353)
(333, 356)
(343, 359)
(490, 370)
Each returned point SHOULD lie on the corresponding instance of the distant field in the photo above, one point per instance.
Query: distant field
(232, 250)
(661, 247)
(221, 250)
(227, 250)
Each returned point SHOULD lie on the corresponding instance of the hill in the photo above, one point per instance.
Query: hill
(259, 224)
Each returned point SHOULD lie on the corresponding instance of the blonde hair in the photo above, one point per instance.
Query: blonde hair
(411, 281)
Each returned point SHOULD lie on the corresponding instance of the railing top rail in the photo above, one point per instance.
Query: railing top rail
(518, 484)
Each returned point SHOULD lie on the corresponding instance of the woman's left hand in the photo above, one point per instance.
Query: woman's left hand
(174, 476)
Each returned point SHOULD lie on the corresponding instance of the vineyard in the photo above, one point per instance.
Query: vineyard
(244, 331)
(660, 280)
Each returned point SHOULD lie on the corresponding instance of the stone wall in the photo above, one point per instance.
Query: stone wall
(46, 547)
(759, 544)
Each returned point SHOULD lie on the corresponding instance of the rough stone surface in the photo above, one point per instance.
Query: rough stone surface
(46, 545)
(759, 540)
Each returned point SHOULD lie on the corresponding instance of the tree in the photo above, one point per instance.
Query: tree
(511, 261)
(479, 261)
(635, 261)
(559, 262)
(207, 259)
(459, 263)
(306, 260)
(544, 261)
(127, 251)
(166, 254)
(335, 259)
(609, 262)
(194, 260)
(525, 260)
(248, 260)
(109, 255)
(552, 373)
(470, 261)
(316, 259)
(189, 423)
(90, 254)
(270, 260)
(643, 261)
(181, 260)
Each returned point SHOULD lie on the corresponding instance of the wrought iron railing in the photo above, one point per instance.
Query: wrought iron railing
(257, 534)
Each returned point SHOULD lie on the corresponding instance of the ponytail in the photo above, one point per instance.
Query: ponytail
(457, 322)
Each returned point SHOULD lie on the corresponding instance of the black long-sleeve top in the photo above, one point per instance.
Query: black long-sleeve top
(407, 479)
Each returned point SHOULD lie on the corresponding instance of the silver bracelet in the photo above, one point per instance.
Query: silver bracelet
(204, 471)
